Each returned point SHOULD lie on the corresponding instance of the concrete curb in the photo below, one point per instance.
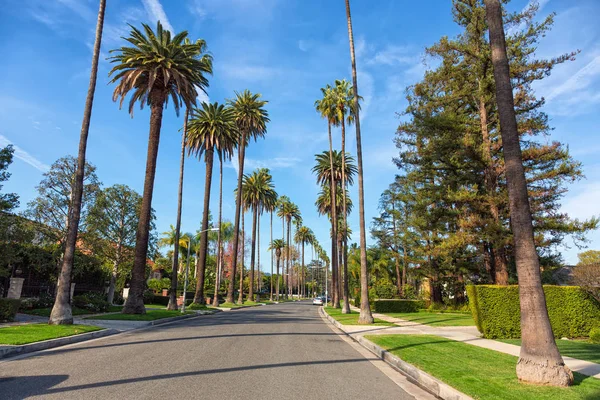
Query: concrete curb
(423, 379)
(172, 319)
(52, 343)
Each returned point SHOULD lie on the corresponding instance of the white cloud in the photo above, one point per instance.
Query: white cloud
(202, 96)
(271, 163)
(303, 45)
(580, 80)
(392, 55)
(24, 156)
(366, 85)
(157, 13)
(197, 8)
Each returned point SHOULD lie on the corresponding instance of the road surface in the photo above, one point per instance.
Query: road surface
(283, 351)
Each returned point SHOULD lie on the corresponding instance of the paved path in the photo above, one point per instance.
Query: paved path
(466, 334)
(271, 352)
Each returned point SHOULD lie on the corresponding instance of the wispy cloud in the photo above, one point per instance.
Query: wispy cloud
(271, 163)
(198, 9)
(157, 13)
(393, 55)
(580, 80)
(24, 156)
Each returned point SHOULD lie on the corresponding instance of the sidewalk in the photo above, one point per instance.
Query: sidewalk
(466, 334)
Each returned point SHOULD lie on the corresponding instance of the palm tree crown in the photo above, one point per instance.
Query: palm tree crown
(277, 245)
(212, 127)
(323, 167)
(250, 116)
(160, 64)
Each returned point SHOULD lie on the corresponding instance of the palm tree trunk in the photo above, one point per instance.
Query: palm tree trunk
(241, 293)
(199, 296)
(135, 301)
(271, 296)
(346, 303)
(365, 312)
(219, 250)
(285, 277)
(252, 255)
(61, 311)
(173, 292)
(238, 204)
(278, 278)
(258, 271)
(539, 361)
(334, 265)
(302, 268)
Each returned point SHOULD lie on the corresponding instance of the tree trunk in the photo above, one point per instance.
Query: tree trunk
(219, 250)
(135, 301)
(365, 312)
(500, 264)
(238, 204)
(278, 277)
(241, 293)
(61, 311)
(345, 304)
(258, 271)
(333, 202)
(199, 297)
(173, 292)
(539, 361)
(252, 255)
(113, 276)
(271, 296)
(289, 260)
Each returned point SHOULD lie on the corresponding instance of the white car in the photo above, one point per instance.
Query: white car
(318, 301)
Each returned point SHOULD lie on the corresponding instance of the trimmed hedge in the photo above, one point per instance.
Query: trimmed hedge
(95, 302)
(8, 309)
(496, 310)
(398, 306)
(162, 300)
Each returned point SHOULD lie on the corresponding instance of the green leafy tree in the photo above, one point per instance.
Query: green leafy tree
(8, 201)
(156, 67)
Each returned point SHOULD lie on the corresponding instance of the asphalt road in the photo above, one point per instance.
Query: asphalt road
(283, 351)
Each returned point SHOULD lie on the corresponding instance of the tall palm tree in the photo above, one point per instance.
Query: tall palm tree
(365, 311)
(289, 211)
(156, 67)
(225, 235)
(277, 245)
(303, 236)
(173, 291)
(280, 201)
(326, 107)
(539, 360)
(344, 105)
(173, 238)
(251, 119)
(257, 189)
(61, 311)
(211, 128)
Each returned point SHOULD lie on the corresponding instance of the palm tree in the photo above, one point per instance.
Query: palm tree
(277, 245)
(326, 107)
(173, 237)
(61, 311)
(224, 236)
(289, 211)
(173, 291)
(539, 360)
(365, 311)
(155, 68)
(251, 119)
(303, 236)
(211, 128)
(257, 189)
(345, 113)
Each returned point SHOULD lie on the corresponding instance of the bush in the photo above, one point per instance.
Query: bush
(196, 306)
(28, 303)
(45, 301)
(95, 302)
(573, 312)
(162, 300)
(157, 285)
(8, 309)
(595, 335)
(150, 298)
(385, 290)
(398, 306)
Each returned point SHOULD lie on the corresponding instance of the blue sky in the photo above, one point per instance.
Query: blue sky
(286, 50)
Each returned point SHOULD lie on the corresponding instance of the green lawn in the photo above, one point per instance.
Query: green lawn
(579, 349)
(155, 306)
(45, 312)
(436, 319)
(23, 334)
(150, 315)
(352, 319)
(230, 305)
(478, 372)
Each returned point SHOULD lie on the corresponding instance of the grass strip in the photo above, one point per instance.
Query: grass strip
(352, 318)
(436, 319)
(151, 315)
(580, 349)
(31, 333)
(478, 372)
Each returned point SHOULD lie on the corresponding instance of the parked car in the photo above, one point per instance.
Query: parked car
(317, 301)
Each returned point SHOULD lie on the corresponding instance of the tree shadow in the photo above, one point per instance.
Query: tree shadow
(20, 387)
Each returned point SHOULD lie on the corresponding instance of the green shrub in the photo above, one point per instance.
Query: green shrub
(95, 302)
(196, 306)
(28, 303)
(385, 290)
(8, 309)
(357, 300)
(409, 292)
(149, 297)
(398, 306)
(162, 300)
(45, 301)
(595, 335)
(573, 312)
(157, 285)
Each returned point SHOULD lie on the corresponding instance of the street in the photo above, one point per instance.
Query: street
(283, 351)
